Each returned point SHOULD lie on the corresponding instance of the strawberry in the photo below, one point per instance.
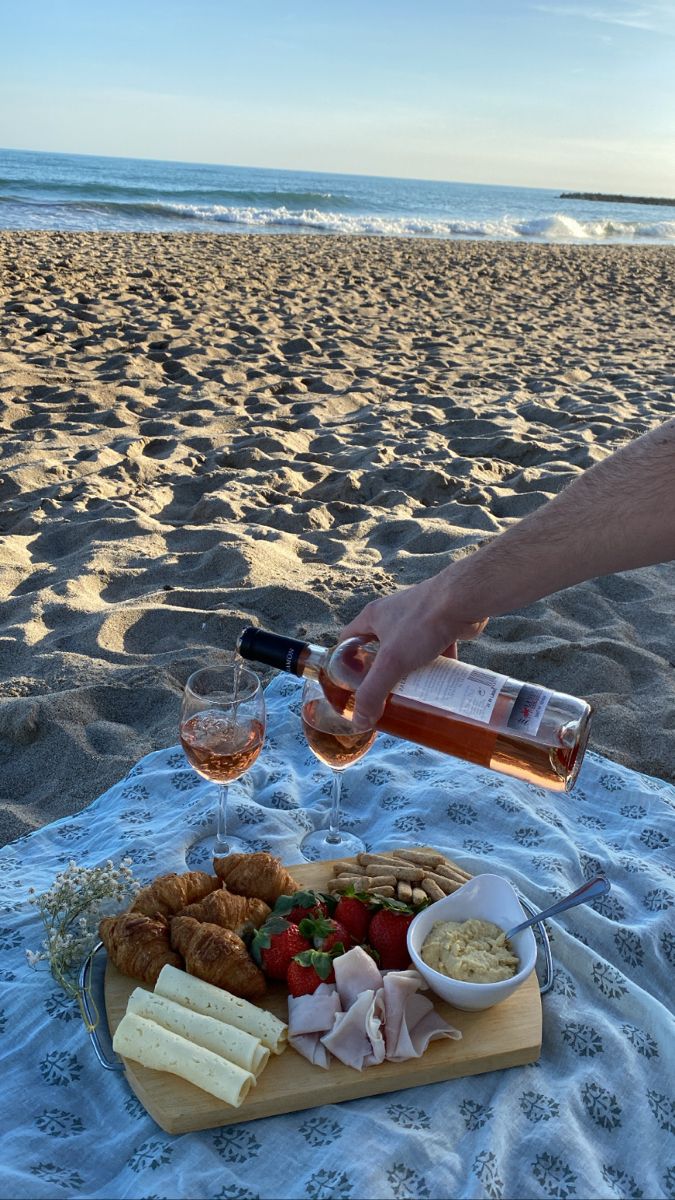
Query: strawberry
(387, 935)
(303, 904)
(275, 944)
(307, 970)
(355, 915)
(325, 934)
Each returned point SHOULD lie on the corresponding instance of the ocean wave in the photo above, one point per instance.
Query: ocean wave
(562, 226)
(162, 214)
(48, 191)
(558, 226)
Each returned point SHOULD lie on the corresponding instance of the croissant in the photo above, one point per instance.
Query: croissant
(260, 875)
(218, 956)
(138, 945)
(229, 911)
(167, 894)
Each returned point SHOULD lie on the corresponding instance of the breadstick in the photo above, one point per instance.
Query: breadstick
(404, 891)
(449, 872)
(388, 892)
(409, 874)
(453, 885)
(446, 885)
(366, 881)
(432, 889)
(418, 897)
(377, 860)
(421, 858)
(341, 867)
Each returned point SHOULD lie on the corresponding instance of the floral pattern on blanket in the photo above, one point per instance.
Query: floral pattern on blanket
(594, 1117)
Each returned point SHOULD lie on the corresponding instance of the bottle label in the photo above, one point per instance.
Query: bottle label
(456, 687)
(528, 710)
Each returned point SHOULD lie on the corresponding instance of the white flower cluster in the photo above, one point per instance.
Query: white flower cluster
(71, 910)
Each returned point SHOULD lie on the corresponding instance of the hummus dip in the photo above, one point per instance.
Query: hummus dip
(473, 951)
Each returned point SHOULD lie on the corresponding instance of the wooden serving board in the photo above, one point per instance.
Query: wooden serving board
(507, 1035)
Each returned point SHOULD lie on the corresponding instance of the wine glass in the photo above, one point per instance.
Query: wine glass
(222, 729)
(337, 744)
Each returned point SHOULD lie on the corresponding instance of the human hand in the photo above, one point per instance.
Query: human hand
(413, 627)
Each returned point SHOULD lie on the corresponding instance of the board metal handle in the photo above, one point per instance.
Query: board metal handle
(91, 1013)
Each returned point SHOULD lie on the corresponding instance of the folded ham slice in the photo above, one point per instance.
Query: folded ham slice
(311, 1048)
(355, 972)
(313, 1013)
(308, 1018)
(411, 1020)
(356, 1037)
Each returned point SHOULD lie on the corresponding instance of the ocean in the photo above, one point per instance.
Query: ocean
(82, 192)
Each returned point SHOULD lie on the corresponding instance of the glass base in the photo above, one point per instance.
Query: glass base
(316, 845)
(200, 855)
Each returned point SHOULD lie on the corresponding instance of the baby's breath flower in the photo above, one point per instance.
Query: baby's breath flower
(71, 910)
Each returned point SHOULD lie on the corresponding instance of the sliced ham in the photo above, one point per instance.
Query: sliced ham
(355, 972)
(309, 1045)
(365, 1017)
(411, 1020)
(356, 1037)
(313, 1013)
(429, 1029)
(309, 1017)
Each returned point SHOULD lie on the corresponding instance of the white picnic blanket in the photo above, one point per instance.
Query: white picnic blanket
(595, 1117)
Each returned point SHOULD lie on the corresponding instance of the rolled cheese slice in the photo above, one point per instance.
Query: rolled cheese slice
(215, 1002)
(154, 1046)
(234, 1044)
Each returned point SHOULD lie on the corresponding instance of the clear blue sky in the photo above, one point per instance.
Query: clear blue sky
(535, 92)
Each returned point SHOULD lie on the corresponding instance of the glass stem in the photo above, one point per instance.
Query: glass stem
(333, 835)
(222, 846)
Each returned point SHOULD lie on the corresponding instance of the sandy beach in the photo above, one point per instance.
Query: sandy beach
(200, 431)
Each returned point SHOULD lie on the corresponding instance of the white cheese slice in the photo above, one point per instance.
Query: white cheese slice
(154, 1046)
(215, 1002)
(234, 1044)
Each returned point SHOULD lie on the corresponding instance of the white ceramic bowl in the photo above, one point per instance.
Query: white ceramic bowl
(488, 898)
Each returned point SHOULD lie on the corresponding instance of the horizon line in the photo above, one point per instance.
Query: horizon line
(179, 162)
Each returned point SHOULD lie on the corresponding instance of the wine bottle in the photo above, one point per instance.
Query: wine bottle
(517, 728)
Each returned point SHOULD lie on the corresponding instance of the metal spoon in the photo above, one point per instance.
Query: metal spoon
(598, 886)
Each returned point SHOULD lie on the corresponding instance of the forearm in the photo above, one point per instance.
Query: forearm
(618, 515)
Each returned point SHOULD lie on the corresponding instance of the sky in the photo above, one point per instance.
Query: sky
(540, 93)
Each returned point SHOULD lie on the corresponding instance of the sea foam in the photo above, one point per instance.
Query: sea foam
(555, 227)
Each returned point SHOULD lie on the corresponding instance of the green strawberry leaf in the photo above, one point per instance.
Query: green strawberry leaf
(286, 904)
(395, 905)
(320, 961)
(305, 958)
(262, 939)
(352, 893)
(315, 927)
(323, 964)
(329, 900)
